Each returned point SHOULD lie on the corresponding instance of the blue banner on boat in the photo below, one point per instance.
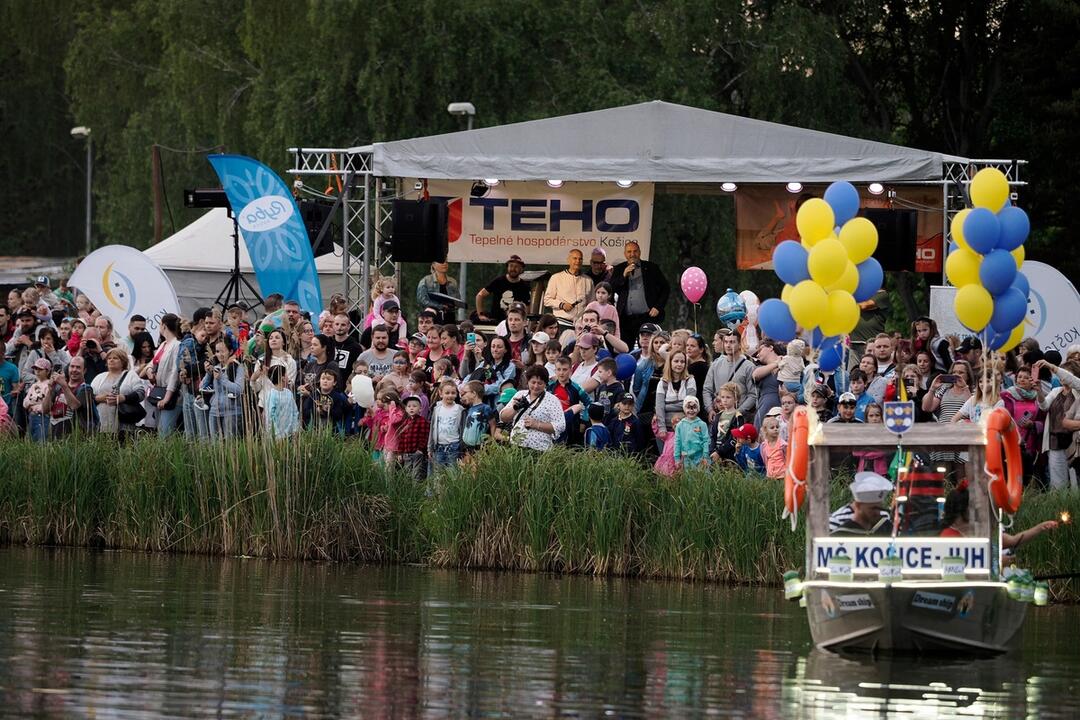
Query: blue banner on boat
(273, 231)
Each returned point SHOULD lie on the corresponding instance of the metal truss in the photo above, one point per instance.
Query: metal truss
(365, 217)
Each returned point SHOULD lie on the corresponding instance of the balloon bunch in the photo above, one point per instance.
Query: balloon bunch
(984, 263)
(826, 275)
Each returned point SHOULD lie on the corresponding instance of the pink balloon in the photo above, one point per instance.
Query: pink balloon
(694, 283)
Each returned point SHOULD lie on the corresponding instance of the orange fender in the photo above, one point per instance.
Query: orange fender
(798, 453)
(1003, 463)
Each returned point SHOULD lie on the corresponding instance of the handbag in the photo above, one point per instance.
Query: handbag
(129, 413)
(157, 394)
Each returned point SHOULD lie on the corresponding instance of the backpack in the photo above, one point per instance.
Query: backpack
(475, 429)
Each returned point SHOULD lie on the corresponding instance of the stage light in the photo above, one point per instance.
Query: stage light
(205, 198)
(491, 182)
(876, 188)
(554, 183)
(624, 183)
(794, 187)
(729, 187)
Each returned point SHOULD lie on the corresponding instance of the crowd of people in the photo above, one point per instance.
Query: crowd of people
(597, 370)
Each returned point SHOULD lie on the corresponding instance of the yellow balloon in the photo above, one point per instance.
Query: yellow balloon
(1015, 337)
(1018, 256)
(973, 306)
(962, 267)
(989, 189)
(785, 293)
(843, 314)
(956, 229)
(849, 279)
(815, 220)
(859, 237)
(809, 304)
(827, 261)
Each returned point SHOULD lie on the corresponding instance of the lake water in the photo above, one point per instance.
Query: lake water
(86, 634)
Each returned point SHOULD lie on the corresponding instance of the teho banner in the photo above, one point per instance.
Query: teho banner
(765, 217)
(122, 281)
(270, 224)
(543, 224)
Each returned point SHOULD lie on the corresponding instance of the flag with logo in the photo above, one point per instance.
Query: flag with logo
(122, 281)
(272, 228)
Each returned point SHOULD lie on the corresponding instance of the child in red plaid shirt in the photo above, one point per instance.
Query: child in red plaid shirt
(412, 433)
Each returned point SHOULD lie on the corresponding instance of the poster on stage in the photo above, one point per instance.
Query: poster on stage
(765, 217)
(1053, 316)
(272, 228)
(122, 281)
(543, 224)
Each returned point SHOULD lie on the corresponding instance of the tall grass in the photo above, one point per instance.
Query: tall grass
(319, 497)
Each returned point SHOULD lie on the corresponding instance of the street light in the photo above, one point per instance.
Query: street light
(469, 111)
(84, 132)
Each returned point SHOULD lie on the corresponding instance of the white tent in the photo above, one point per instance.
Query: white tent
(654, 141)
(199, 258)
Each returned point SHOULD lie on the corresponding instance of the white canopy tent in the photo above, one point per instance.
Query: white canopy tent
(654, 142)
(199, 258)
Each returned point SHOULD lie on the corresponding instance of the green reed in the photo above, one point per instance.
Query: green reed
(318, 497)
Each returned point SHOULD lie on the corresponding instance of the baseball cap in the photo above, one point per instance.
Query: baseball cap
(649, 329)
(969, 343)
(42, 364)
(847, 398)
(43, 280)
(390, 305)
(627, 397)
(410, 398)
(775, 412)
(419, 337)
(540, 337)
(515, 259)
(587, 340)
(745, 432)
(822, 390)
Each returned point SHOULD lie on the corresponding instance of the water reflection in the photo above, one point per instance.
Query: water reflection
(117, 634)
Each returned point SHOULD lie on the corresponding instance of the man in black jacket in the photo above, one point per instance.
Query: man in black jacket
(642, 290)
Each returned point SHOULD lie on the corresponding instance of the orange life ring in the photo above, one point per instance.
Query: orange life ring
(798, 453)
(1003, 462)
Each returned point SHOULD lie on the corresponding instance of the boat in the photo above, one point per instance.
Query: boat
(908, 590)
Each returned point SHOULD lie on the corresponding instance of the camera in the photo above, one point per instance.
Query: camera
(521, 403)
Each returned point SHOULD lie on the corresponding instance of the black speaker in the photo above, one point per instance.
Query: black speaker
(314, 214)
(896, 237)
(418, 231)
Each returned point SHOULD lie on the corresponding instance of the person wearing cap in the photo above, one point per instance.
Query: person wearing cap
(626, 429)
(845, 409)
(47, 296)
(568, 291)
(36, 399)
(395, 326)
(748, 449)
(642, 292)
(819, 402)
(691, 436)
(438, 281)
(599, 271)
(537, 347)
(644, 340)
(585, 349)
(865, 514)
(970, 351)
(504, 291)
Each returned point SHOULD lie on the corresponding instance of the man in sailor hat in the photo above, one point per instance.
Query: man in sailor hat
(865, 514)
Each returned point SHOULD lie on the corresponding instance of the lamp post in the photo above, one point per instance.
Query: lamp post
(84, 132)
(469, 111)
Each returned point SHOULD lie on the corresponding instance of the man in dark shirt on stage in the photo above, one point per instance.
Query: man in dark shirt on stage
(505, 290)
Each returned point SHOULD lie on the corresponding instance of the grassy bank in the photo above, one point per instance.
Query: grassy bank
(321, 498)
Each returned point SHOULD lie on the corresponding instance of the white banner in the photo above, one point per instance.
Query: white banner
(1053, 308)
(122, 281)
(916, 554)
(543, 224)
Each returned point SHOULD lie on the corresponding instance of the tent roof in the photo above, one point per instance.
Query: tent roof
(654, 141)
(206, 244)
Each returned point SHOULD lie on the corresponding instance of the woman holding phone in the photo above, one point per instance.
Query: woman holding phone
(944, 398)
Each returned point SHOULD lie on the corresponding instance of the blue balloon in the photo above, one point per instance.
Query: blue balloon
(1015, 227)
(775, 320)
(789, 261)
(843, 198)
(997, 272)
(870, 278)
(998, 340)
(816, 338)
(1010, 308)
(625, 365)
(831, 357)
(953, 247)
(1021, 283)
(982, 230)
